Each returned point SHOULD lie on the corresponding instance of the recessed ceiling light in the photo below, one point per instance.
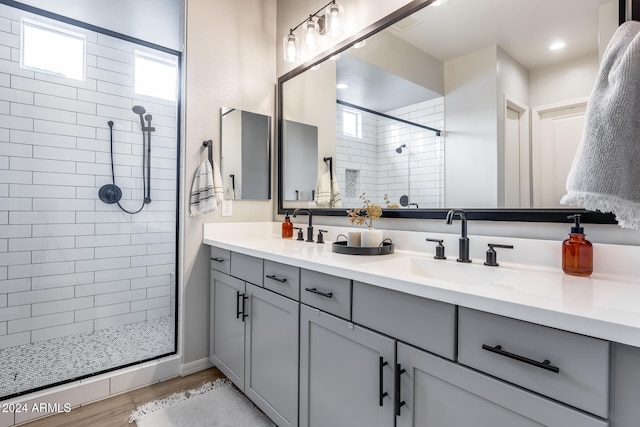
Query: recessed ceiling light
(342, 86)
(359, 44)
(438, 3)
(557, 45)
(335, 57)
(315, 67)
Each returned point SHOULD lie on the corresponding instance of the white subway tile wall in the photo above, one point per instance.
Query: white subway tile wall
(69, 263)
(418, 171)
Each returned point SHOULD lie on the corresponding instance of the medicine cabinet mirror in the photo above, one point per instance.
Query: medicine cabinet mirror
(464, 105)
(245, 154)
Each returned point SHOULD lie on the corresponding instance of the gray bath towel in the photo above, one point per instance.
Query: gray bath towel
(605, 174)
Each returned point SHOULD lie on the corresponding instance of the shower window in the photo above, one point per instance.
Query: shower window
(352, 123)
(155, 76)
(85, 287)
(52, 50)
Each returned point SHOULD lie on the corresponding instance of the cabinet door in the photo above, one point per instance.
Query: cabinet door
(227, 322)
(346, 373)
(439, 393)
(271, 344)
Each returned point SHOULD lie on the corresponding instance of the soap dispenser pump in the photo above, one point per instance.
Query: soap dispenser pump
(287, 227)
(577, 251)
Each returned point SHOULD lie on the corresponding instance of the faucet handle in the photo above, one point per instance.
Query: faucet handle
(300, 235)
(439, 248)
(321, 236)
(492, 256)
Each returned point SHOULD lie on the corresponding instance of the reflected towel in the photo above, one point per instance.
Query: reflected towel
(605, 174)
(306, 195)
(323, 189)
(336, 198)
(206, 189)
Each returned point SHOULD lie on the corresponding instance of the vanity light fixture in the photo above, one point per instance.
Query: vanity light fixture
(326, 21)
(557, 45)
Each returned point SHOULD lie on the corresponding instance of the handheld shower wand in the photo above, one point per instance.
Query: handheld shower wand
(149, 129)
(140, 110)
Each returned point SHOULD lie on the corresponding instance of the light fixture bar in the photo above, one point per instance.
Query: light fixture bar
(311, 16)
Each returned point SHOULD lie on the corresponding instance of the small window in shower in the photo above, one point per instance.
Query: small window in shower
(155, 76)
(52, 50)
(352, 123)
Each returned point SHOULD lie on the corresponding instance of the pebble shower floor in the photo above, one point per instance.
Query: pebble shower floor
(38, 364)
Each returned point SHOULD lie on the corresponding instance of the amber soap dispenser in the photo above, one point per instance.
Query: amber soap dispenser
(577, 251)
(287, 227)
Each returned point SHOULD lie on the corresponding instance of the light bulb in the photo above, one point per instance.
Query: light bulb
(290, 47)
(310, 36)
(334, 17)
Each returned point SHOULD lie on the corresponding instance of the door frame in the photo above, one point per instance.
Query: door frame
(536, 137)
(525, 146)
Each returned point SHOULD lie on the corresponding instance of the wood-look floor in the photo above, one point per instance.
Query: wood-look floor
(115, 411)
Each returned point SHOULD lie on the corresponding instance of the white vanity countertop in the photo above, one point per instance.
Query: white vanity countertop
(604, 305)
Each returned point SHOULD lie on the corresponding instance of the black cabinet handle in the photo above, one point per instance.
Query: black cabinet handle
(244, 315)
(276, 278)
(238, 311)
(546, 364)
(399, 402)
(217, 259)
(382, 394)
(315, 291)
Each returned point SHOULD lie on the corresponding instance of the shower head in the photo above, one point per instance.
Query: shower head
(139, 110)
(399, 149)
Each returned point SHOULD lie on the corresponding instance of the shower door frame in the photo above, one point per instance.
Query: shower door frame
(86, 26)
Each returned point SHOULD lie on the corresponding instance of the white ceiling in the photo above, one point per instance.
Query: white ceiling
(523, 28)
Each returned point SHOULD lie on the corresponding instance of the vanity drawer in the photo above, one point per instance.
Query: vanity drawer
(330, 294)
(282, 278)
(221, 260)
(247, 268)
(424, 323)
(524, 353)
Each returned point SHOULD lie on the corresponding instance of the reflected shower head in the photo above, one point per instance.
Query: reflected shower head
(139, 110)
(399, 149)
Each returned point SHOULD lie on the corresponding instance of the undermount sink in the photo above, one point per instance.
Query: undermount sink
(442, 270)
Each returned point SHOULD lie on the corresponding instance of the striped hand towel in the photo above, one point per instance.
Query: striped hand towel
(206, 189)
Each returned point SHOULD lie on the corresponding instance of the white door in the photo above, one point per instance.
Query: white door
(557, 134)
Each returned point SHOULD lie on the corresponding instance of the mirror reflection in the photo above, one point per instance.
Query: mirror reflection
(245, 159)
(469, 104)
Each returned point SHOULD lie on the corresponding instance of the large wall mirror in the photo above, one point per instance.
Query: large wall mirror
(471, 104)
(245, 154)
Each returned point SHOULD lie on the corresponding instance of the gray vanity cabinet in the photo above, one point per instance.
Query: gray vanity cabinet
(254, 339)
(436, 392)
(271, 356)
(227, 326)
(346, 373)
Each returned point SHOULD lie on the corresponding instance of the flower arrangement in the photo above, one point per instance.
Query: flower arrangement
(369, 211)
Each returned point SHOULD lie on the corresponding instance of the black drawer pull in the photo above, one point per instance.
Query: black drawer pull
(217, 259)
(382, 394)
(315, 291)
(276, 278)
(546, 364)
(398, 400)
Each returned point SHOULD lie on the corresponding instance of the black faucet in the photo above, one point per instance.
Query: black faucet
(463, 254)
(310, 227)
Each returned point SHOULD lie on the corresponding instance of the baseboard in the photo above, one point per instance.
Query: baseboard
(195, 366)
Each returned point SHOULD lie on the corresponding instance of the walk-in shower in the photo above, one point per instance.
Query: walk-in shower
(85, 288)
